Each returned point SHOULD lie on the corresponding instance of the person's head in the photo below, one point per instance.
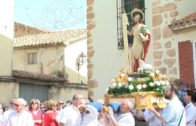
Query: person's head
(51, 105)
(34, 105)
(12, 105)
(78, 99)
(68, 102)
(180, 83)
(60, 105)
(126, 106)
(19, 105)
(171, 91)
(189, 96)
(137, 18)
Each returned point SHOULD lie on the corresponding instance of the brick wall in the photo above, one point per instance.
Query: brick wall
(186, 63)
(21, 30)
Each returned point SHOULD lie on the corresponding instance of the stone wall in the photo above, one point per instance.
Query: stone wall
(164, 54)
(90, 50)
(22, 30)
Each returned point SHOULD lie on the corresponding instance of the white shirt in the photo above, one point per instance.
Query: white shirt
(126, 119)
(70, 116)
(59, 113)
(151, 118)
(6, 114)
(190, 110)
(173, 112)
(1, 120)
(91, 118)
(20, 119)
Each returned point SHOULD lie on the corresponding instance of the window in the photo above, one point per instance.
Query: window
(126, 6)
(32, 58)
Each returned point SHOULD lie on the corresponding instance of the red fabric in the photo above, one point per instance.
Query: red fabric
(49, 119)
(37, 116)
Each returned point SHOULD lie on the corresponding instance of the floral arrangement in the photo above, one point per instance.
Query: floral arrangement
(126, 84)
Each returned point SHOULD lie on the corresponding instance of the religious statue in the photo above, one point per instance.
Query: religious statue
(141, 39)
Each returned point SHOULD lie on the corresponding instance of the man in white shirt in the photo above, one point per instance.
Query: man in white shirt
(89, 117)
(7, 113)
(173, 114)
(190, 109)
(151, 118)
(71, 115)
(125, 118)
(20, 117)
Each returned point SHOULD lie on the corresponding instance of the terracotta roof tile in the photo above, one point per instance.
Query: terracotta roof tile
(36, 76)
(185, 22)
(51, 38)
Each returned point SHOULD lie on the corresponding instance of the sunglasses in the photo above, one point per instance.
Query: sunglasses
(16, 104)
(34, 103)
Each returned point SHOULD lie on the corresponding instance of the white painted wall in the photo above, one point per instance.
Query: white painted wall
(6, 36)
(7, 18)
(71, 52)
(107, 59)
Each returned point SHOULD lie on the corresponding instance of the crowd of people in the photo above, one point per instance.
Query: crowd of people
(77, 112)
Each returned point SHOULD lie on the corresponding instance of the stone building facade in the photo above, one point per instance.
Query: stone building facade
(173, 28)
(171, 33)
(39, 63)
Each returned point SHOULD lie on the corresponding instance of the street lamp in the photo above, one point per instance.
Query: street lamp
(81, 59)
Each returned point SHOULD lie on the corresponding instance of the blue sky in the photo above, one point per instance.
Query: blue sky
(51, 14)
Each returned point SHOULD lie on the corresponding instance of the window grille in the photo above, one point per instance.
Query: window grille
(127, 6)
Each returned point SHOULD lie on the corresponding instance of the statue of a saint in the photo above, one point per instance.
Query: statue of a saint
(141, 39)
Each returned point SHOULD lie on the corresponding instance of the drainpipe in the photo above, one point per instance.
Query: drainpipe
(194, 61)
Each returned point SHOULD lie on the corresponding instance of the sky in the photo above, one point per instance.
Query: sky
(54, 15)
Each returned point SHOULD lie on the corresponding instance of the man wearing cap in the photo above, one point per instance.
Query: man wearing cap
(125, 118)
(20, 117)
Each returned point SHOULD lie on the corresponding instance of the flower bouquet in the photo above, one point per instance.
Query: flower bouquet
(146, 88)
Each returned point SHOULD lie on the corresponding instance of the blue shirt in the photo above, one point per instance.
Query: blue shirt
(173, 112)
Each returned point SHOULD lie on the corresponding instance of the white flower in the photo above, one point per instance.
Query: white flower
(162, 82)
(111, 86)
(157, 83)
(152, 74)
(126, 86)
(151, 84)
(144, 86)
(107, 89)
(119, 84)
(131, 87)
(130, 79)
(167, 82)
(114, 84)
(139, 86)
(157, 72)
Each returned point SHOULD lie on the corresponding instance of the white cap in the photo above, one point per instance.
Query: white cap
(21, 101)
(130, 104)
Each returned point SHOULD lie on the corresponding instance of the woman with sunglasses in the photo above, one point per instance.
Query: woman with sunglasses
(34, 109)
